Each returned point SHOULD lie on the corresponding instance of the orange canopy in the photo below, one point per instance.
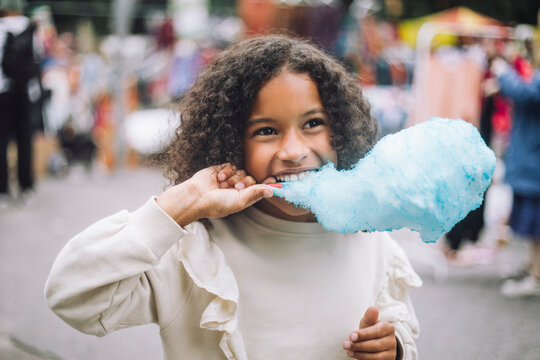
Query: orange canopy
(408, 29)
(462, 15)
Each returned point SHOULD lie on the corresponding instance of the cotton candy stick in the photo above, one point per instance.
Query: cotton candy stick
(425, 178)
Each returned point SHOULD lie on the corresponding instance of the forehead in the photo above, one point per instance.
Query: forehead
(287, 92)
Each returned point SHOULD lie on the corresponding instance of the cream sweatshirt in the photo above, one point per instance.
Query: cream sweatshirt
(253, 287)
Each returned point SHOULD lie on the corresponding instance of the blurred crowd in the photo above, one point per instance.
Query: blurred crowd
(71, 101)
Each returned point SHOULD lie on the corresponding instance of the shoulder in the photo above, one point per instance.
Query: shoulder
(383, 247)
(393, 251)
(380, 241)
(399, 270)
(377, 249)
(14, 24)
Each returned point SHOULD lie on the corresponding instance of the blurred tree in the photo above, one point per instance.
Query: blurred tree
(67, 13)
(223, 7)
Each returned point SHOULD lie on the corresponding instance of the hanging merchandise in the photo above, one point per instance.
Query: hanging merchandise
(331, 17)
(257, 15)
(304, 19)
(448, 85)
(458, 70)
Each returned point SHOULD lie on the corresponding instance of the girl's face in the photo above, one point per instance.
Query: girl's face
(286, 136)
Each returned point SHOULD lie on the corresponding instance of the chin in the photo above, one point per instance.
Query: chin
(283, 209)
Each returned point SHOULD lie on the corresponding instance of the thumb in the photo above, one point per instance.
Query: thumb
(371, 317)
(252, 194)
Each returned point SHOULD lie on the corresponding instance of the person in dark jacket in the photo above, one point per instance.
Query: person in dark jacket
(523, 170)
(15, 108)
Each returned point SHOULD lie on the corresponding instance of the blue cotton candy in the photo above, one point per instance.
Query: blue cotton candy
(425, 178)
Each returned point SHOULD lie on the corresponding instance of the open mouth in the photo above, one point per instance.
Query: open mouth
(293, 177)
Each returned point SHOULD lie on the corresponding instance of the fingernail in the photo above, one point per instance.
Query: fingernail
(354, 336)
(239, 186)
(275, 185)
(268, 193)
(350, 353)
(347, 344)
(221, 177)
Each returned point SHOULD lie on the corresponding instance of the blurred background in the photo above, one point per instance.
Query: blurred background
(103, 100)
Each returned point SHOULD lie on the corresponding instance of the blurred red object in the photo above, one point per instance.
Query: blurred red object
(523, 68)
(501, 120)
(165, 35)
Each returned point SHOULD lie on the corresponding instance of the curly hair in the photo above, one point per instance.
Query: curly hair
(216, 108)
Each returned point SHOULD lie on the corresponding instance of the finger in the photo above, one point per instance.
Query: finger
(252, 194)
(375, 345)
(385, 355)
(224, 185)
(224, 171)
(370, 318)
(231, 176)
(245, 182)
(236, 177)
(377, 331)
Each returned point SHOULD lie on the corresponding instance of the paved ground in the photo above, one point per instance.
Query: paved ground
(461, 314)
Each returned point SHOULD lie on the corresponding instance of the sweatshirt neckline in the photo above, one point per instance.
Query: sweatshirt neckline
(270, 223)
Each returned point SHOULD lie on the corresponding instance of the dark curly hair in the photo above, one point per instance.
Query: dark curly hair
(216, 108)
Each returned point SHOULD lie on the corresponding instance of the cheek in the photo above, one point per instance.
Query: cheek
(325, 150)
(333, 158)
(256, 161)
(330, 154)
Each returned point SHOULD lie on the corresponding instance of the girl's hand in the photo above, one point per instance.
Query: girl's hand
(374, 339)
(213, 192)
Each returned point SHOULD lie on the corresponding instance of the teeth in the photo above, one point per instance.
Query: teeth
(293, 177)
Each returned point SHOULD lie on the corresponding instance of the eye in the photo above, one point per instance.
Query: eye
(311, 123)
(265, 131)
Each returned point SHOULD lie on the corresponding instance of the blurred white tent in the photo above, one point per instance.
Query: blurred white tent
(150, 131)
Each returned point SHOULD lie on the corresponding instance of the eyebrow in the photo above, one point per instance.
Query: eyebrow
(314, 111)
(256, 121)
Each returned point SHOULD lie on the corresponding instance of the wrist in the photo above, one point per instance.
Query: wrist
(179, 202)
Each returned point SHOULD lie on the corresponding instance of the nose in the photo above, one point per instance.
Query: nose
(293, 148)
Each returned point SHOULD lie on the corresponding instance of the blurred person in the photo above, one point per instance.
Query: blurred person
(467, 230)
(78, 147)
(523, 170)
(59, 73)
(18, 75)
(226, 269)
(470, 229)
(77, 78)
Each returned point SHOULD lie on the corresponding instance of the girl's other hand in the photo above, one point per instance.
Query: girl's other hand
(213, 192)
(374, 339)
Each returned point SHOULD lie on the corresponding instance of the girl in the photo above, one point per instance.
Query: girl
(223, 278)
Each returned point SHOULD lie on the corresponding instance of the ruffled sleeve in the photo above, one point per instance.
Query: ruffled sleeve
(206, 266)
(394, 303)
(125, 270)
